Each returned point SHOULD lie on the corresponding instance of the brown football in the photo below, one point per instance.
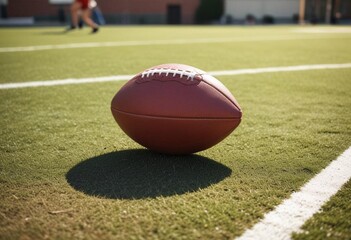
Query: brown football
(175, 109)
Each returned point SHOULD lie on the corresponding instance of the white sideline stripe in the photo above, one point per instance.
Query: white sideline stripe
(323, 30)
(156, 42)
(213, 73)
(292, 213)
(280, 69)
(64, 82)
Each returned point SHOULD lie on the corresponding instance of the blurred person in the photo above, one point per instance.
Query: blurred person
(96, 12)
(96, 15)
(83, 8)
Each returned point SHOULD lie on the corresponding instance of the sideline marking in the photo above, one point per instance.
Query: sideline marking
(213, 73)
(157, 42)
(292, 213)
(65, 82)
(324, 30)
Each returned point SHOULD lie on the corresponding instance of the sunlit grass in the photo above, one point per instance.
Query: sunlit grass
(61, 150)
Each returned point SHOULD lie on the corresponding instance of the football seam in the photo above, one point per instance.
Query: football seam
(171, 117)
(237, 107)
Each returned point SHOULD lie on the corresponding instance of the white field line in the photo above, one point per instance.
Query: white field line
(292, 213)
(64, 82)
(213, 73)
(157, 42)
(280, 69)
(324, 30)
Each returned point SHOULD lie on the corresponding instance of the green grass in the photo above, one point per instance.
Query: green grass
(60, 148)
(251, 52)
(327, 224)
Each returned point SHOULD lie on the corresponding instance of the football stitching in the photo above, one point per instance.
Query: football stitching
(143, 115)
(168, 71)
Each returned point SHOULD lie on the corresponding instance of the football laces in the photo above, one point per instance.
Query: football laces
(168, 71)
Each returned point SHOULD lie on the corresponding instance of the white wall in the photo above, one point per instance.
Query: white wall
(276, 8)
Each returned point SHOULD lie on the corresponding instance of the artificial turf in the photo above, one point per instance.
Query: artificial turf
(68, 172)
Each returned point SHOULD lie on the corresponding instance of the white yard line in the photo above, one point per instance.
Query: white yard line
(159, 42)
(280, 69)
(64, 82)
(324, 30)
(213, 73)
(289, 216)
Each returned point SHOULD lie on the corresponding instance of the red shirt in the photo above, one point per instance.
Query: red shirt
(84, 3)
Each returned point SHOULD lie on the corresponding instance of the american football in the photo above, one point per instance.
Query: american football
(176, 109)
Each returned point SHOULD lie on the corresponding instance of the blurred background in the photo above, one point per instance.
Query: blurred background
(56, 12)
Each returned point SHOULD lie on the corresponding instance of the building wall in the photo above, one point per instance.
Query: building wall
(280, 9)
(316, 10)
(30, 8)
(130, 8)
(155, 11)
(119, 10)
(283, 10)
(344, 7)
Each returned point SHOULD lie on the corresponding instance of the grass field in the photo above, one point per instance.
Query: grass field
(68, 172)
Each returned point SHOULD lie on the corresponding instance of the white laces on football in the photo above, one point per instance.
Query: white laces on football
(168, 71)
